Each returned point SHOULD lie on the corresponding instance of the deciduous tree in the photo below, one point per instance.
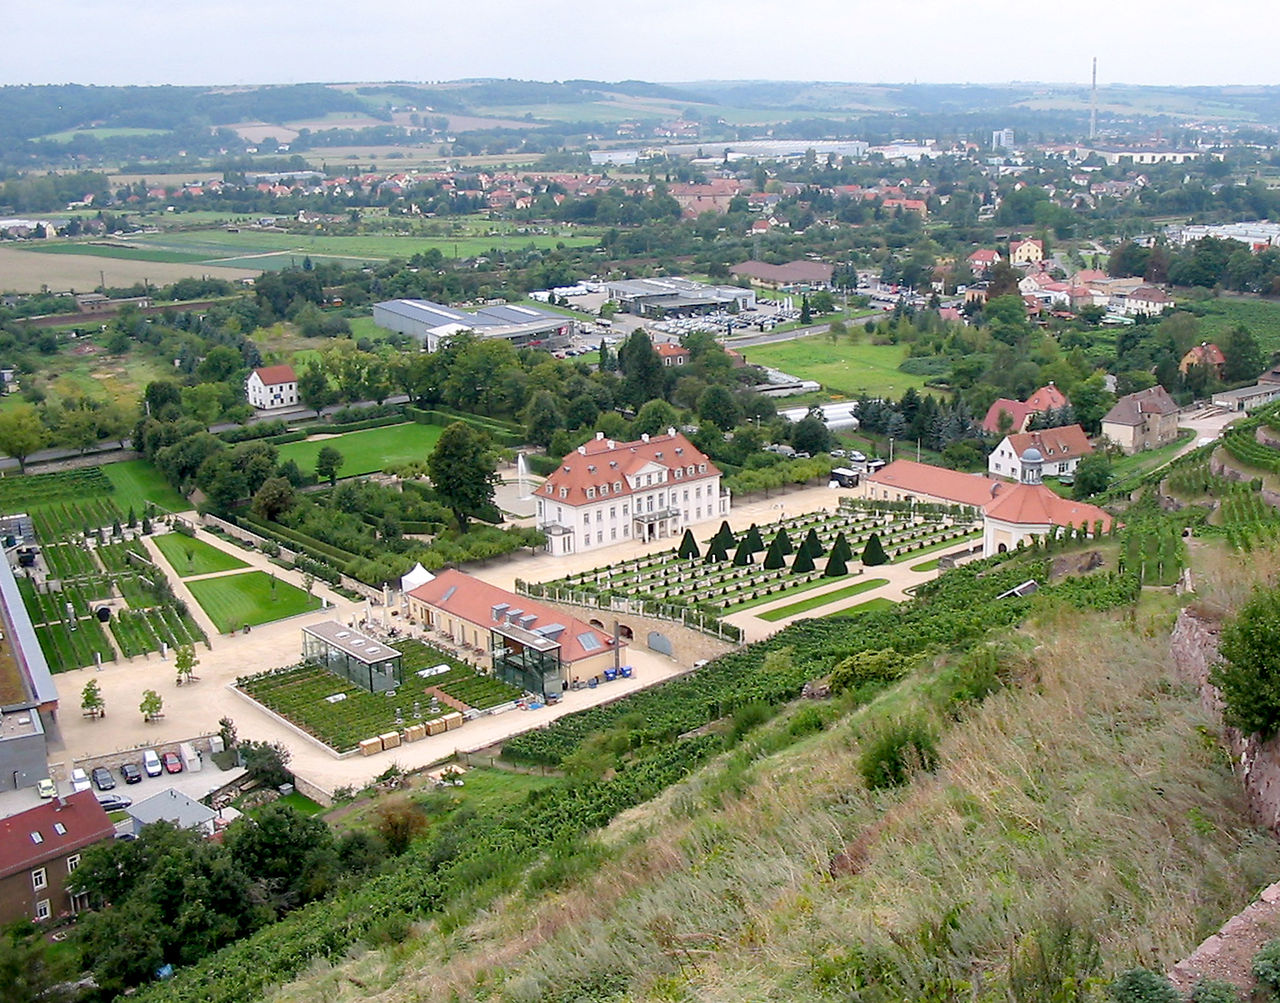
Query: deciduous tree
(463, 472)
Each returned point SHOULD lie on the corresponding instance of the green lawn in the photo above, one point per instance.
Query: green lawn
(204, 557)
(1124, 468)
(844, 368)
(137, 482)
(866, 607)
(368, 451)
(236, 600)
(911, 555)
(926, 565)
(823, 599)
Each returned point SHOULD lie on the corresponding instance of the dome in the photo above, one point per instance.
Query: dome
(1032, 455)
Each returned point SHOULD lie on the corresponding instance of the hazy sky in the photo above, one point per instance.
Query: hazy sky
(288, 41)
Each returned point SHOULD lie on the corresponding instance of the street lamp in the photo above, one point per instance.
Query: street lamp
(891, 449)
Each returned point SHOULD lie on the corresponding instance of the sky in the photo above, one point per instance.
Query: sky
(1182, 42)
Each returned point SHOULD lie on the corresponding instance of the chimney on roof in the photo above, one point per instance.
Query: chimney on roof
(599, 436)
(644, 437)
(670, 430)
(582, 450)
(613, 445)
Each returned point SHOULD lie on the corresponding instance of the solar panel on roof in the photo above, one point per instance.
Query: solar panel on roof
(589, 642)
(448, 593)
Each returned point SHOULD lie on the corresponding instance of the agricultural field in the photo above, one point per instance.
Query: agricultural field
(71, 500)
(843, 368)
(29, 271)
(369, 450)
(300, 694)
(1260, 316)
(189, 556)
(249, 599)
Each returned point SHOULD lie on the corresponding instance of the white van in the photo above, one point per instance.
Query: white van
(151, 763)
(79, 780)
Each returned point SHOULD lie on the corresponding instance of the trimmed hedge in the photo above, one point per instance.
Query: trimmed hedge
(503, 433)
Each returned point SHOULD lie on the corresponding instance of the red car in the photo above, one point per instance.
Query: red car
(172, 764)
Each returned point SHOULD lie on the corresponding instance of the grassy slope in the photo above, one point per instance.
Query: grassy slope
(236, 600)
(137, 482)
(843, 368)
(367, 451)
(1087, 793)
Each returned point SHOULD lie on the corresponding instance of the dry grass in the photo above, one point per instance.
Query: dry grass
(30, 271)
(1087, 791)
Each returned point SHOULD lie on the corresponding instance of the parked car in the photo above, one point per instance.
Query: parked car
(839, 454)
(856, 455)
(874, 465)
(79, 780)
(114, 802)
(46, 788)
(131, 772)
(151, 763)
(172, 764)
(102, 778)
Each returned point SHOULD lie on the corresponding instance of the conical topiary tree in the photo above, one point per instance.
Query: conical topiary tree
(753, 539)
(787, 547)
(836, 566)
(773, 559)
(725, 535)
(688, 547)
(803, 561)
(841, 546)
(716, 551)
(873, 553)
(742, 555)
(813, 545)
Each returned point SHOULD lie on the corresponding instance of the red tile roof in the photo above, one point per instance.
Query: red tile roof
(275, 375)
(1067, 442)
(1048, 398)
(1017, 410)
(670, 350)
(603, 463)
(954, 485)
(1037, 505)
(472, 600)
(81, 818)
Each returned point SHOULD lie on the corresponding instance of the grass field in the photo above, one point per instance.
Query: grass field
(26, 270)
(867, 607)
(844, 368)
(252, 598)
(138, 483)
(204, 557)
(106, 132)
(823, 599)
(368, 451)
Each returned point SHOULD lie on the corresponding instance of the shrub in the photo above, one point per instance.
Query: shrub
(1266, 967)
(748, 717)
(1215, 991)
(806, 721)
(867, 667)
(1249, 675)
(1139, 985)
(896, 751)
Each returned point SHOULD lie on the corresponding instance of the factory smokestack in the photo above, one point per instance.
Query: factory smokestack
(1093, 103)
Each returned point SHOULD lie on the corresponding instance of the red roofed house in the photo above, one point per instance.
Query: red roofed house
(673, 354)
(1011, 513)
(1060, 450)
(1146, 301)
(983, 260)
(1026, 252)
(1047, 398)
(1205, 354)
(272, 387)
(39, 850)
(611, 492)
(534, 646)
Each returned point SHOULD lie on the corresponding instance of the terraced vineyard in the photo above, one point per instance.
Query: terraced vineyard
(301, 694)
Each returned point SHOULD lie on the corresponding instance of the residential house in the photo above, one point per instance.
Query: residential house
(1026, 252)
(40, 849)
(609, 492)
(1144, 301)
(272, 387)
(1047, 398)
(983, 260)
(1060, 449)
(673, 355)
(1206, 355)
(537, 647)
(1143, 420)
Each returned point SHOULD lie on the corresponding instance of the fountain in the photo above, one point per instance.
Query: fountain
(522, 477)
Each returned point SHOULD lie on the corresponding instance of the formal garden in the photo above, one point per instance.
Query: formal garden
(729, 573)
(341, 714)
(234, 602)
(89, 557)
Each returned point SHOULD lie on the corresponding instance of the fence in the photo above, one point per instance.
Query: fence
(674, 612)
